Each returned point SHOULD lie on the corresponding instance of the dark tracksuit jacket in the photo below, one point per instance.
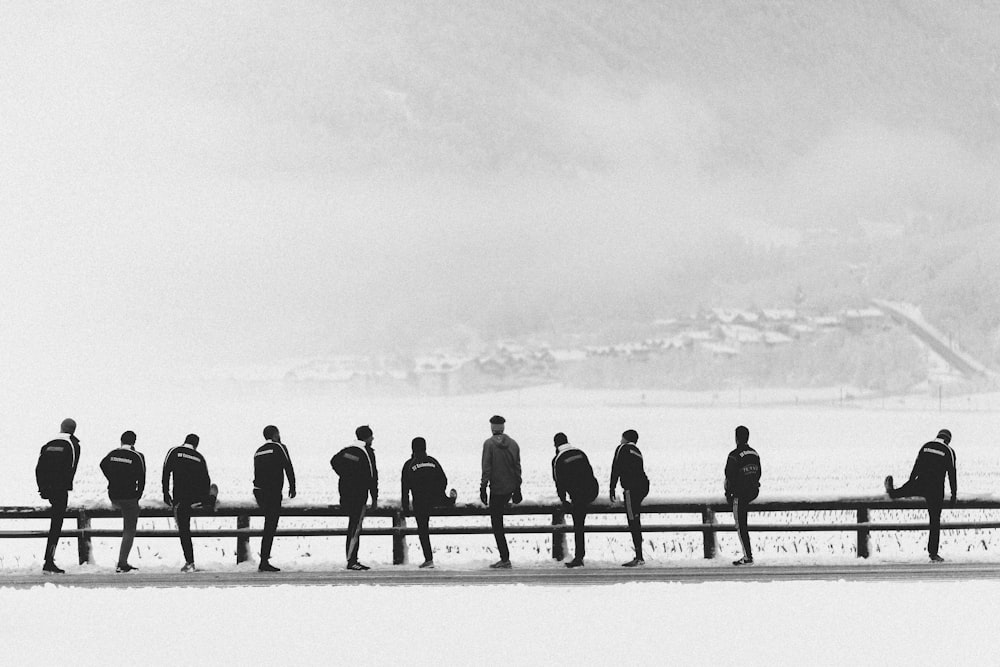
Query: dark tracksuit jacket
(573, 475)
(125, 470)
(743, 473)
(57, 463)
(424, 477)
(934, 461)
(271, 463)
(501, 465)
(190, 473)
(358, 472)
(627, 467)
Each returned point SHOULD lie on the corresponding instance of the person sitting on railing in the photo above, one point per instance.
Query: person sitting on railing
(358, 473)
(935, 460)
(271, 464)
(627, 466)
(125, 470)
(192, 487)
(54, 472)
(424, 478)
(742, 486)
(501, 467)
(573, 475)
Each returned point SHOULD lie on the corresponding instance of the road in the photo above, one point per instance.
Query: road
(537, 576)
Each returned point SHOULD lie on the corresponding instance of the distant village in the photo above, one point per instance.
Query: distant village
(720, 332)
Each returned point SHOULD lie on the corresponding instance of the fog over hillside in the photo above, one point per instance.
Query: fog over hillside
(194, 183)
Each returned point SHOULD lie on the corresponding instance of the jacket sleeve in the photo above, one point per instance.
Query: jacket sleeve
(289, 469)
(374, 485)
(953, 475)
(730, 474)
(404, 486)
(615, 471)
(104, 466)
(517, 461)
(487, 465)
(140, 482)
(168, 467)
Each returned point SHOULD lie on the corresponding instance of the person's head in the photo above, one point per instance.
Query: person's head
(496, 424)
(630, 436)
(68, 426)
(944, 435)
(271, 433)
(419, 446)
(128, 438)
(559, 439)
(364, 434)
(192, 439)
(742, 435)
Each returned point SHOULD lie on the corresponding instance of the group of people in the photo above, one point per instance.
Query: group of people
(186, 485)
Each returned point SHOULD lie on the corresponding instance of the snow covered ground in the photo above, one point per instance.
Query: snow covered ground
(824, 623)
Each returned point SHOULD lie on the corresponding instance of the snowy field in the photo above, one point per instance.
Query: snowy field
(812, 444)
(793, 623)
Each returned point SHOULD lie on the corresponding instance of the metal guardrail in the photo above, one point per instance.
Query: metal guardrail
(556, 526)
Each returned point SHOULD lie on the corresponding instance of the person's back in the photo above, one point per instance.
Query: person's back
(190, 474)
(270, 462)
(501, 464)
(125, 470)
(743, 471)
(934, 461)
(354, 467)
(423, 476)
(57, 463)
(573, 473)
(628, 467)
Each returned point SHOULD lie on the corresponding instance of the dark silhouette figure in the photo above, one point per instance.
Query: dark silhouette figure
(574, 476)
(192, 487)
(627, 467)
(424, 478)
(125, 470)
(358, 472)
(271, 464)
(742, 486)
(54, 473)
(501, 467)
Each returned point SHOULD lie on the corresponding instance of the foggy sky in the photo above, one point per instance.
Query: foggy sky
(195, 183)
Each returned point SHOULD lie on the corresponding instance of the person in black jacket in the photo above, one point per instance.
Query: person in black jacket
(54, 473)
(935, 460)
(358, 473)
(125, 470)
(271, 463)
(424, 478)
(573, 475)
(742, 486)
(192, 487)
(628, 467)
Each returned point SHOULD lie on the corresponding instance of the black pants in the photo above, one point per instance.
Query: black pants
(182, 514)
(498, 502)
(355, 509)
(130, 520)
(59, 500)
(633, 511)
(270, 503)
(934, 504)
(579, 513)
(741, 507)
(423, 519)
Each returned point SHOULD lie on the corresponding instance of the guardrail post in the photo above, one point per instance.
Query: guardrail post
(242, 541)
(558, 539)
(83, 541)
(708, 532)
(863, 532)
(398, 538)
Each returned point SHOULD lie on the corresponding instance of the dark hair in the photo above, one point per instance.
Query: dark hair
(560, 439)
(742, 435)
(128, 438)
(419, 445)
(945, 435)
(497, 419)
(271, 432)
(363, 432)
(630, 436)
(191, 439)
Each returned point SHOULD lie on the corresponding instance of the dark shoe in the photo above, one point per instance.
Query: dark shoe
(501, 565)
(51, 568)
(189, 567)
(358, 567)
(889, 487)
(267, 567)
(427, 565)
(743, 561)
(635, 562)
(936, 559)
(576, 562)
(125, 567)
